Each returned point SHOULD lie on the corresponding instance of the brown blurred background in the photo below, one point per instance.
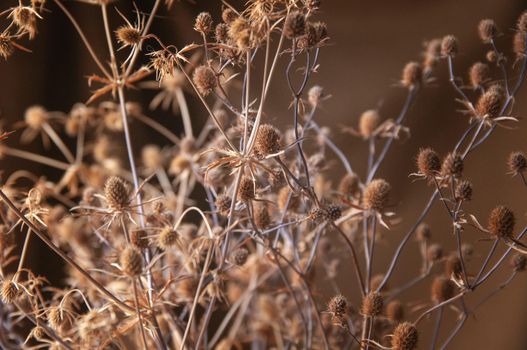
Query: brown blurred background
(370, 43)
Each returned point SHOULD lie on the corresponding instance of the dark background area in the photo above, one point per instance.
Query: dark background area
(370, 43)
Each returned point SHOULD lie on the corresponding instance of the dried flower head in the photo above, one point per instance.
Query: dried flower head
(139, 239)
(423, 232)
(449, 46)
(487, 30)
(442, 289)
(522, 22)
(463, 191)
(267, 140)
(25, 18)
(501, 222)
(131, 261)
(412, 75)
(490, 102)
(519, 44)
(376, 195)
(228, 15)
(168, 237)
(315, 95)
(405, 337)
(517, 163)
(205, 80)
(203, 23)
(368, 122)
(262, 218)
(478, 74)
(428, 163)
(116, 192)
(223, 204)
(452, 165)
(9, 291)
(128, 36)
(295, 25)
(246, 189)
(434, 252)
(338, 307)
(395, 311)
(453, 266)
(6, 46)
(239, 256)
(221, 33)
(349, 184)
(518, 262)
(372, 304)
(333, 212)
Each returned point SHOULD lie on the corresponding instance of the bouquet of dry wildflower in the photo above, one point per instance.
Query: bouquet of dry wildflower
(146, 267)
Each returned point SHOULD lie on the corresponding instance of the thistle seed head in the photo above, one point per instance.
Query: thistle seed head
(449, 46)
(518, 262)
(452, 165)
(487, 30)
(295, 25)
(405, 337)
(128, 36)
(203, 23)
(205, 80)
(246, 189)
(478, 74)
(116, 192)
(501, 222)
(267, 140)
(517, 163)
(412, 75)
(395, 311)
(490, 102)
(131, 261)
(442, 289)
(368, 122)
(463, 191)
(349, 184)
(372, 304)
(376, 195)
(428, 162)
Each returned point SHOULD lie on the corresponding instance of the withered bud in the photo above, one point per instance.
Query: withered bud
(262, 218)
(412, 75)
(315, 95)
(453, 267)
(518, 262)
(6, 46)
(423, 232)
(139, 239)
(221, 32)
(9, 291)
(501, 222)
(317, 214)
(267, 140)
(492, 56)
(205, 80)
(333, 212)
(434, 252)
(131, 261)
(452, 165)
(203, 23)
(372, 304)
(428, 162)
(376, 195)
(442, 289)
(368, 122)
(246, 189)
(449, 46)
(295, 25)
(478, 74)
(349, 184)
(517, 163)
(487, 30)
(223, 204)
(168, 237)
(463, 191)
(518, 44)
(405, 337)
(239, 256)
(116, 192)
(490, 102)
(395, 311)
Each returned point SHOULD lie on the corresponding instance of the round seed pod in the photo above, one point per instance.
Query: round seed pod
(267, 140)
(372, 304)
(489, 103)
(116, 192)
(442, 289)
(128, 36)
(9, 291)
(131, 261)
(423, 232)
(412, 75)
(221, 33)
(452, 165)
(432, 54)
(317, 214)
(295, 25)
(262, 218)
(376, 281)
(138, 239)
(376, 195)
(405, 337)
(518, 262)
(6, 46)
(57, 319)
(333, 212)
(518, 44)
(449, 46)
(428, 162)
(239, 256)
(203, 23)
(463, 191)
(501, 222)
(478, 74)
(395, 311)
(228, 15)
(246, 189)
(315, 95)
(339, 307)
(434, 252)
(368, 122)
(491, 56)
(517, 163)
(205, 80)
(487, 30)
(349, 185)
